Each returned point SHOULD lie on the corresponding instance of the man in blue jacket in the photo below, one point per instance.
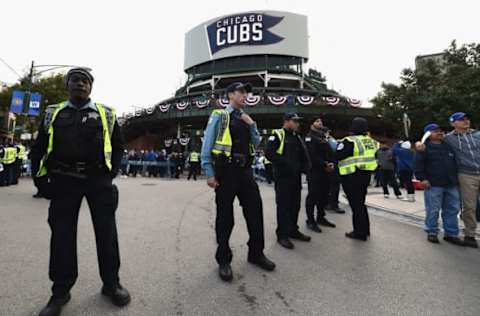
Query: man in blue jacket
(436, 167)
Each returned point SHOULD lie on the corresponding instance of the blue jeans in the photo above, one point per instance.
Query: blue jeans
(446, 199)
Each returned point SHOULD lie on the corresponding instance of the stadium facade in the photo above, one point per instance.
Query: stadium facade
(269, 49)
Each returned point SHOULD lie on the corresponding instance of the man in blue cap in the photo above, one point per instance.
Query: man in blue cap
(436, 168)
(288, 153)
(465, 142)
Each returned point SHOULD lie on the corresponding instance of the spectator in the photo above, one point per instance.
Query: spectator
(386, 169)
(405, 166)
(436, 168)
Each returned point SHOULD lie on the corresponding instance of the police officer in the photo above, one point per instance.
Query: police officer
(321, 156)
(77, 154)
(21, 156)
(286, 150)
(2, 166)
(194, 161)
(227, 155)
(356, 162)
(9, 159)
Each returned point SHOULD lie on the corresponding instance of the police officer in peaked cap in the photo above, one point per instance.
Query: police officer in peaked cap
(77, 154)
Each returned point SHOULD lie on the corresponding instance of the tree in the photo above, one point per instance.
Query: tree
(52, 89)
(435, 91)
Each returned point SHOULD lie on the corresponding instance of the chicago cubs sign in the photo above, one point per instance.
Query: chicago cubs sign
(249, 33)
(242, 29)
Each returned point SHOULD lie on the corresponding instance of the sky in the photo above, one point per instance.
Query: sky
(136, 48)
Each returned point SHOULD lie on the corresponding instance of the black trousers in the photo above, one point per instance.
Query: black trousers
(102, 199)
(334, 188)
(388, 178)
(18, 170)
(355, 186)
(238, 182)
(7, 176)
(269, 172)
(288, 192)
(406, 178)
(318, 191)
(194, 167)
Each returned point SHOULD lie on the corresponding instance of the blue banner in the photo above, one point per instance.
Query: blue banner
(16, 105)
(242, 29)
(34, 105)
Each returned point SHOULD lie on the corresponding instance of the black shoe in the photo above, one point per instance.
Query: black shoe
(55, 305)
(433, 239)
(37, 196)
(352, 235)
(286, 243)
(454, 240)
(314, 227)
(225, 272)
(263, 262)
(299, 236)
(322, 221)
(470, 242)
(339, 210)
(118, 295)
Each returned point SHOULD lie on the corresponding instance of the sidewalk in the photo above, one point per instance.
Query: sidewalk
(412, 210)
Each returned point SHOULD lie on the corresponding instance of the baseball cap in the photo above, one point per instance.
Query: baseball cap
(431, 127)
(457, 116)
(239, 86)
(291, 116)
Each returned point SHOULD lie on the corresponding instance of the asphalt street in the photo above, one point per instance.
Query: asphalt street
(167, 244)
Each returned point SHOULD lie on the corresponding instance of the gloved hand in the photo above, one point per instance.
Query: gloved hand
(44, 186)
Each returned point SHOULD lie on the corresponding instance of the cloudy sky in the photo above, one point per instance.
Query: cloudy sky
(135, 48)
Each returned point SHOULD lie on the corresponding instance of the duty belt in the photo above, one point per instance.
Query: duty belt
(79, 169)
(237, 160)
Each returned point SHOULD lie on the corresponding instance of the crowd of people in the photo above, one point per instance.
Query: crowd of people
(12, 158)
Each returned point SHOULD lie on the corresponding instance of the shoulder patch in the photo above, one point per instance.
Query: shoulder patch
(308, 139)
(271, 138)
(340, 146)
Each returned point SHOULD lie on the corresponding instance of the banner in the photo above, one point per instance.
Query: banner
(16, 105)
(277, 100)
(252, 100)
(150, 110)
(184, 141)
(164, 107)
(223, 102)
(331, 100)
(201, 103)
(354, 102)
(305, 99)
(182, 105)
(34, 104)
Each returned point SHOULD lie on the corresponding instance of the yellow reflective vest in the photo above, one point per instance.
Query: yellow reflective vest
(364, 149)
(107, 116)
(223, 141)
(21, 152)
(281, 136)
(194, 157)
(10, 155)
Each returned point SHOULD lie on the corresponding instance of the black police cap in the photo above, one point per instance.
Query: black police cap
(239, 86)
(291, 116)
(81, 71)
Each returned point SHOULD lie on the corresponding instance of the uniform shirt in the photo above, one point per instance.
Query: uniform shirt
(78, 137)
(344, 149)
(210, 136)
(294, 159)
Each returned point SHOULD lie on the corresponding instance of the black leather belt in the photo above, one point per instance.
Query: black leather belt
(79, 169)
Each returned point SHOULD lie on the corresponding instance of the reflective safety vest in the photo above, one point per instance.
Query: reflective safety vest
(10, 155)
(266, 161)
(194, 156)
(223, 141)
(107, 116)
(364, 149)
(21, 152)
(281, 136)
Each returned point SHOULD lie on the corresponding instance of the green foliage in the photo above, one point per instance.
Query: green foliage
(435, 91)
(52, 89)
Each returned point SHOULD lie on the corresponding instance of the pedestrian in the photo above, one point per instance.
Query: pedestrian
(321, 157)
(436, 168)
(10, 157)
(465, 142)
(77, 154)
(288, 153)
(194, 162)
(229, 144)
(405, 164)
(386, 169)
(356, 162)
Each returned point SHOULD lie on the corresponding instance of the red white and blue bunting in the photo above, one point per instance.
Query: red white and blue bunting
(305, 99)
(354, 102)
(277, 100)
(223, 102)
(168, 142)
(184, 141)
(182, 105)
(331, 100)
(201, 104)
(252, 100)
(150, 110)
(164, 107)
